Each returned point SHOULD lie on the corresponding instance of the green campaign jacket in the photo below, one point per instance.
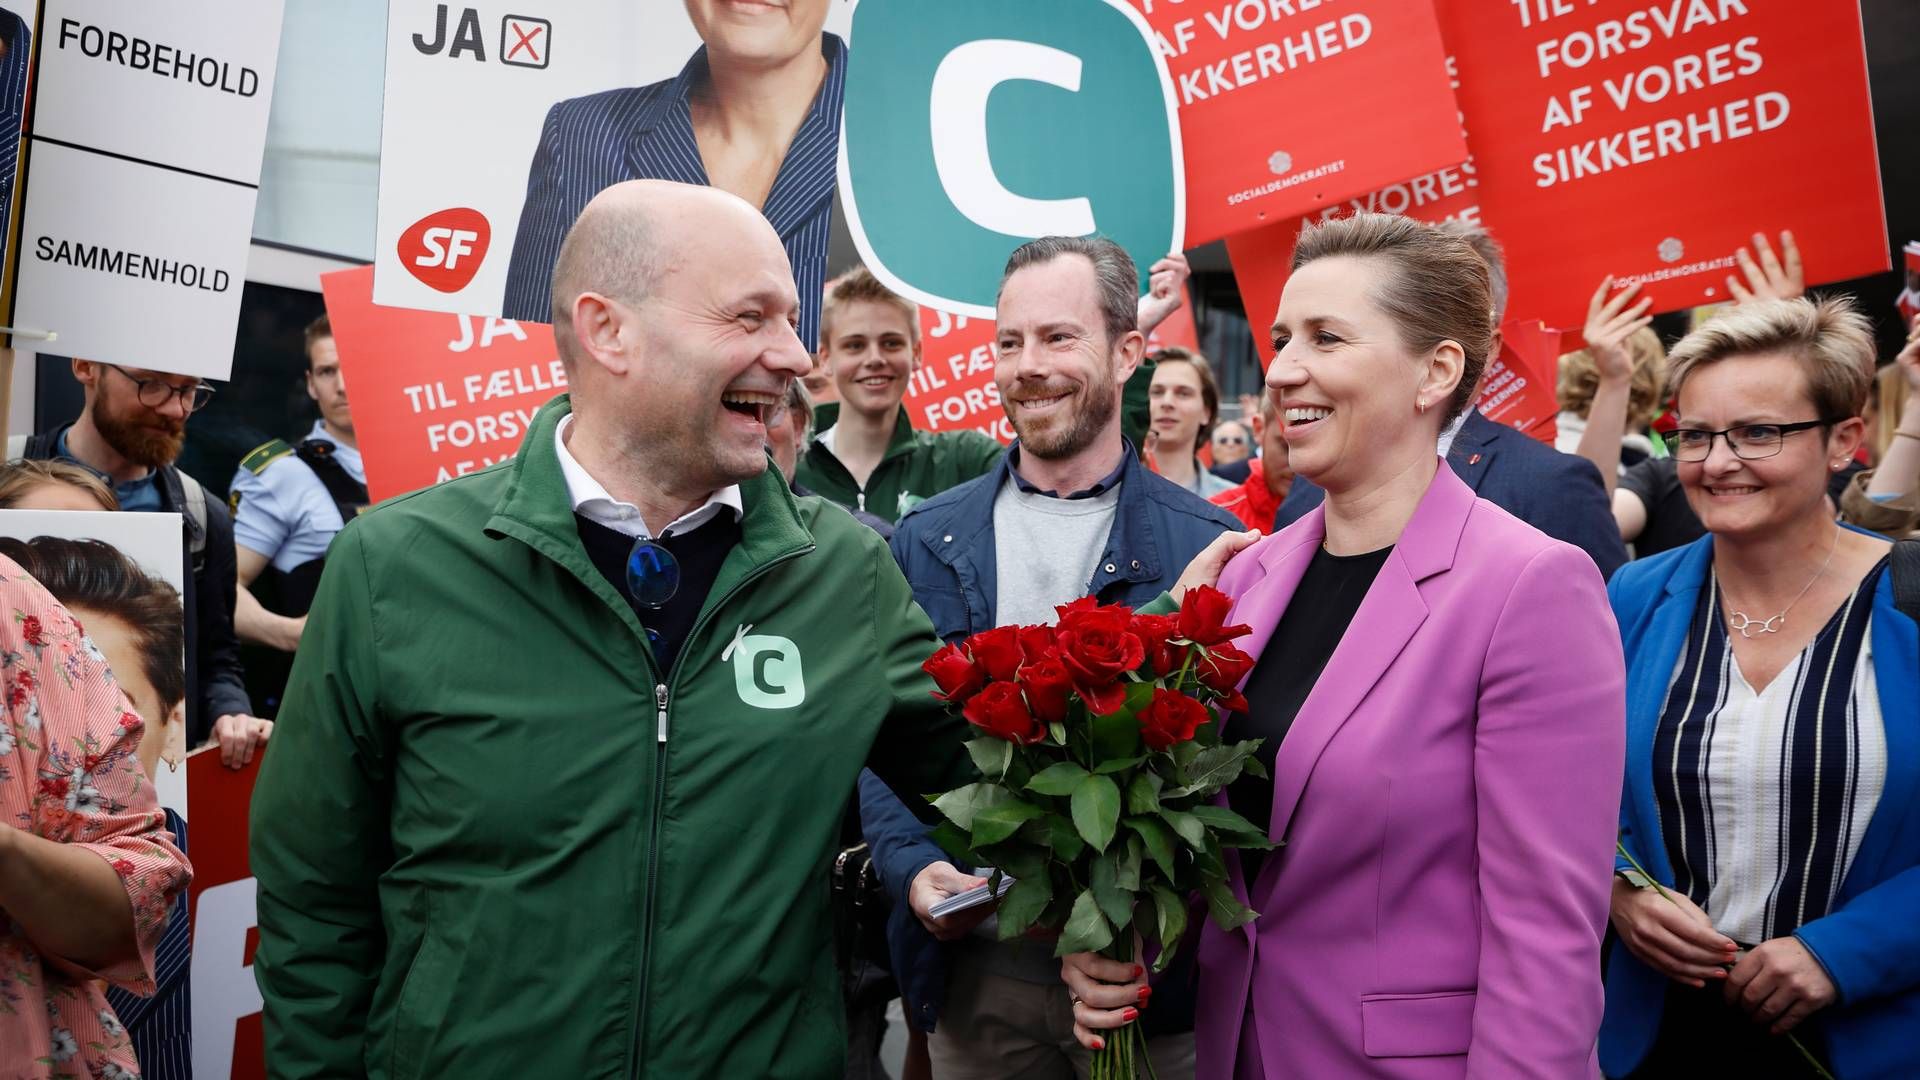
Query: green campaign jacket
(492, 839)
(917, 465)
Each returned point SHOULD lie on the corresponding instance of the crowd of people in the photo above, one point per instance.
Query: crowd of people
(1588, 757)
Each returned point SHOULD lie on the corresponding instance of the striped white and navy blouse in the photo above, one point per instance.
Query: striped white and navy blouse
(1764, 795)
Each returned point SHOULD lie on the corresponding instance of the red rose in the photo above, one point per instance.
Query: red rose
(1223, 667)
(1202, 612)
(1000, 711)
(1170, 718)
(30, 629)
(1036, 642)
(957, 677)
(1085, 603)
(1048, 685)
(997, 651)
(1098, 646)
(1156, 633)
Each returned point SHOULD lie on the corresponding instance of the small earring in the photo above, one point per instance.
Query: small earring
(1420, 405)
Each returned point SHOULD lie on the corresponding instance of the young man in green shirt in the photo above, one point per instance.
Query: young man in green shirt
(868, 455)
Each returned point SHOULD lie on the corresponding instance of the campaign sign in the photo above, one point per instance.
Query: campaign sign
(133, 264)
(502, 120)
(228, 1042)
(1288, 106)
(971, 128)
(1651, 139)
(435, 396)
(144, 160)
(16, 61)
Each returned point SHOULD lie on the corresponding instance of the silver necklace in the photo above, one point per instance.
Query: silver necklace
(1749, 627)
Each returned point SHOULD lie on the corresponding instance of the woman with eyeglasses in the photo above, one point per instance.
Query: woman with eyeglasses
(1770, 827)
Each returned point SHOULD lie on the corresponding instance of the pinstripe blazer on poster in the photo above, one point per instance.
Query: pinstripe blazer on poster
(646, 132)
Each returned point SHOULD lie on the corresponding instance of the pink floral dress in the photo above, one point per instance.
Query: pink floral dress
(68, 773)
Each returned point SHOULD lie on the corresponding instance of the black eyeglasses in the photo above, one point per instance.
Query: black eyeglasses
(1750, 442)
(155, 394)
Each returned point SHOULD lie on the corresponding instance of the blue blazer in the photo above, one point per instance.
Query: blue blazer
(1559, 494)
(1870, 942)
(646, 132)
(946, 548)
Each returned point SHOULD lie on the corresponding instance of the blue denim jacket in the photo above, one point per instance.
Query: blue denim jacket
(945, 546)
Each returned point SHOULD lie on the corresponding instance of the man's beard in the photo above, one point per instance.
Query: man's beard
(138, 443)
(1097, 406)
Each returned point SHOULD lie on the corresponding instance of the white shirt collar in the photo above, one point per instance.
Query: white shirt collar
(592, 501)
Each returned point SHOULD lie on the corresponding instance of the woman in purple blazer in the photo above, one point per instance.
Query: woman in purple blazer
(1440, 689)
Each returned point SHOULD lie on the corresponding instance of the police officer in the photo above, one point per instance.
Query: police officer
(288, 502)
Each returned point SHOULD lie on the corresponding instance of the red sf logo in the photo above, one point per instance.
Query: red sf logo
(445, 249)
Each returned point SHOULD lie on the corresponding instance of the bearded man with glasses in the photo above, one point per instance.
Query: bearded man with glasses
(128, 434)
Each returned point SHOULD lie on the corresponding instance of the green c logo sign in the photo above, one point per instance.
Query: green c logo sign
(973, 127)
(766, 670)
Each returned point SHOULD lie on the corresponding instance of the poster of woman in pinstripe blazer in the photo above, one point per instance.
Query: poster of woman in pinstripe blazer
(755, 110)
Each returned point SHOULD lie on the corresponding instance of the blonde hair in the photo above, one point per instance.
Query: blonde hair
(21, 475)
(1438, 286)
(1831, 339)
(1579, 378)
(859, 284)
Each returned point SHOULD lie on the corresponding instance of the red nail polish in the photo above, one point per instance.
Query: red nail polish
(1130, 1015)
(1099, 1044)
(1145, 993)
(1138, 971)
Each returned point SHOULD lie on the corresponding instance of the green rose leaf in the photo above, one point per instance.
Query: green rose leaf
(1126, 869)
(962, 803)
(995, 823)
(1188, 826)
(1233, 830)
(1214, 768)
(1143, 793)
(1224, 908)
(1107, 768)
(1116, 735)
(954, 841)
(1096, 810)
(1158, 841)
(1057, 731)
(1016, 857)
(1170, 919)
(990, 756)
(1115, 903)
(1066, 843)
(1087, 930)
(1023, 904)
(1059, 779)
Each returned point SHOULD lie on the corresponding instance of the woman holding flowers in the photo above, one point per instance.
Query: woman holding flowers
(1439, 688)
(1770, 859)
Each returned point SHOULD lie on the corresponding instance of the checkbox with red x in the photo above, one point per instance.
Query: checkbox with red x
(525, 41)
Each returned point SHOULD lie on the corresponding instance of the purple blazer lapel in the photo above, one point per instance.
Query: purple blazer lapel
(1387, 619)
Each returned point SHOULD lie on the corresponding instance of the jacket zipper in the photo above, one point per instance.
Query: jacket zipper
(661, 695)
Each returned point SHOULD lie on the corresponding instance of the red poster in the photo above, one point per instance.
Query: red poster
(227, 1039)
(1650, 139)
(1290, 105)
(435, 396)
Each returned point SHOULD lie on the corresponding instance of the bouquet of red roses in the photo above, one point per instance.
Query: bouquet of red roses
(1102, 754)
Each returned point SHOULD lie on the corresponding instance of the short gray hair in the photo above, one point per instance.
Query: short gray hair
(1114, 275)
(610, 250)
(800, 404)
(1485, 246)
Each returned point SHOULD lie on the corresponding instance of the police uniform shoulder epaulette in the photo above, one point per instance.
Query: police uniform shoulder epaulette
(265, 454)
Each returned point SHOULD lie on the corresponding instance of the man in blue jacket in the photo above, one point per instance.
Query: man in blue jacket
(1559, 494)
(1069, 512)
